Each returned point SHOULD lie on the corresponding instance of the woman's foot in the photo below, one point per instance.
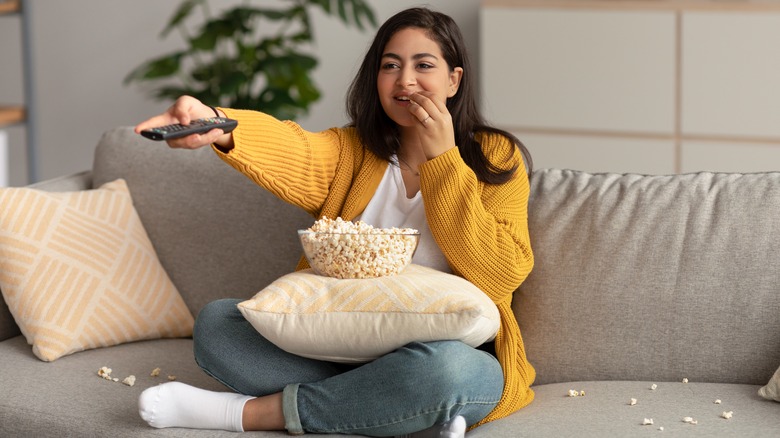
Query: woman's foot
(176, 404)
(454, 428)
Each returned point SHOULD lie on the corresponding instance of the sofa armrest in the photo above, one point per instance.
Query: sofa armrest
(68, 183)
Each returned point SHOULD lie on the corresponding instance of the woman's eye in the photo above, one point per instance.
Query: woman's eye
(389, 66)
(424, 66)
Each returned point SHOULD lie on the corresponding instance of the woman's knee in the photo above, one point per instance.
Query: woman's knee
(454, 366)
(211, 323)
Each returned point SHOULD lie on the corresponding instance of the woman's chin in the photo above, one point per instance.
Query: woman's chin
(405, 122)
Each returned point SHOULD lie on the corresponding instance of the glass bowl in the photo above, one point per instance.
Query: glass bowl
(358, 255)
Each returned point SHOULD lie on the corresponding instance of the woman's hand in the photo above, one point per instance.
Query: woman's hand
(435, 130)
(185, 110)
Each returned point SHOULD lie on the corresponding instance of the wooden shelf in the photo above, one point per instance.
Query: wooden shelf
(11, 115)
(9, 6)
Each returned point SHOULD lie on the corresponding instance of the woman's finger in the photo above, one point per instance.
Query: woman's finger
(195, 141)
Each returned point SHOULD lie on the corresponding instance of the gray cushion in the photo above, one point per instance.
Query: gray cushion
(216, 232)
(605, 412)
(653, 277)
(67, 398)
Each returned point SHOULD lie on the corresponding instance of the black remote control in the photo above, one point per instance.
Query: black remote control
(198, 126)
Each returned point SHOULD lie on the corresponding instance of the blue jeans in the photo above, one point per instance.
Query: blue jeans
(405, 391)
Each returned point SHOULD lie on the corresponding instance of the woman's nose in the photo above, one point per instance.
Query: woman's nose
(407, 77)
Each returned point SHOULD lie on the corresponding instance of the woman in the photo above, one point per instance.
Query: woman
(416, 154)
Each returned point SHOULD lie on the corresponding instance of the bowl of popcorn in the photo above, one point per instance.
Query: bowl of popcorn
(344, 249)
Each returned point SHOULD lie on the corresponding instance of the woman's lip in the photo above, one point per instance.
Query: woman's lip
(402, 102)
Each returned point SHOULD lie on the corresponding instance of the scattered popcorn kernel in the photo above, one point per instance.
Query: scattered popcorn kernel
(717, 402)
(632, 402)
(653, 386)
(582, 393)
(115, 379)
(685, 380)
(647, 422)
(573, 393)
(155, 372)
(105, 372)
(129, 380)
(727, 414)
(661, 428)
(171, 378)
(690, 420)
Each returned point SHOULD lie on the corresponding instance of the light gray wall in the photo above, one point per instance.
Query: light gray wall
(84, 48)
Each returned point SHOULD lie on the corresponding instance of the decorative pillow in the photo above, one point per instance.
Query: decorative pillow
(358, 320)
(771, 391)
(77, 271)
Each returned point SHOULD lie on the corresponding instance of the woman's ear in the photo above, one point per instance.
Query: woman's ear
(455, 77)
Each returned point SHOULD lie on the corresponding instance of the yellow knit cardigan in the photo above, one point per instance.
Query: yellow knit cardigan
(482, 229)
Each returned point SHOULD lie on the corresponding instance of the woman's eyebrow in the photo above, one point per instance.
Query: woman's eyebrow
(415, 57)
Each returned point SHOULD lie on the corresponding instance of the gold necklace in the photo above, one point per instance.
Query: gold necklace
(408, 167)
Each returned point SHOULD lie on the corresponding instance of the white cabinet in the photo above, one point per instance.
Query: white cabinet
(635, 86)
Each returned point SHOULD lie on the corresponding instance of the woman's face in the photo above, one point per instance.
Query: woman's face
(412, 62)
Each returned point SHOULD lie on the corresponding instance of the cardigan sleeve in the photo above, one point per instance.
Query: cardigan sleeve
(294, 164)
(481, 228)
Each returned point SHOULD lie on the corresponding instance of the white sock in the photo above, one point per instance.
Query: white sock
(454, 428)
(175, 404)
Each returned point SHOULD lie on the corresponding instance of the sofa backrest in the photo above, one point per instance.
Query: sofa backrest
(216, 232)
(654, 278)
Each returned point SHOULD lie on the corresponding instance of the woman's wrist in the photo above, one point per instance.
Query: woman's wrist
(217, 112)
(225, 142)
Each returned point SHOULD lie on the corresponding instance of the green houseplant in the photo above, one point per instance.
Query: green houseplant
(247, 56)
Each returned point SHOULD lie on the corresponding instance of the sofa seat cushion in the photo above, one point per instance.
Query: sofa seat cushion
(68, 398)
(605, 411)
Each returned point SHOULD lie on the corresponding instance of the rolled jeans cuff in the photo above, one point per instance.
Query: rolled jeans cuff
(292, 421)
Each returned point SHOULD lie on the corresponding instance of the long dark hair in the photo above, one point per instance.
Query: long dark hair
(380, 134)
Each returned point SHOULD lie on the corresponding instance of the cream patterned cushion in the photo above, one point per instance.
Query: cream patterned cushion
(358, 320)
(77, 271)
(771, 391)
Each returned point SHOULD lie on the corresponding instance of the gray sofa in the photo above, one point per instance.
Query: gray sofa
(639, 280)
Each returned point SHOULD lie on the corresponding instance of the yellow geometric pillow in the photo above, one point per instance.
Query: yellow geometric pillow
(78, 271)
(358, 320)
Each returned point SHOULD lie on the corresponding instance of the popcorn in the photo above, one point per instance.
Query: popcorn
(690, 420)
(129, 380)
(155, 372)
(727, 414)
(661, 428)
(685, 380)
(573, 393)
(105, 372)
(717, 402)
(356, 249)
(653, 387)
(647, 422)
(632, 402)
(171, 378)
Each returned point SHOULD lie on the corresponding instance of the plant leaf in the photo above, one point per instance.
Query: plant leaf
(183, 11)
(157, 68)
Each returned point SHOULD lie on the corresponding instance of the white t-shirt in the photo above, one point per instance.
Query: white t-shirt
(391, 208)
